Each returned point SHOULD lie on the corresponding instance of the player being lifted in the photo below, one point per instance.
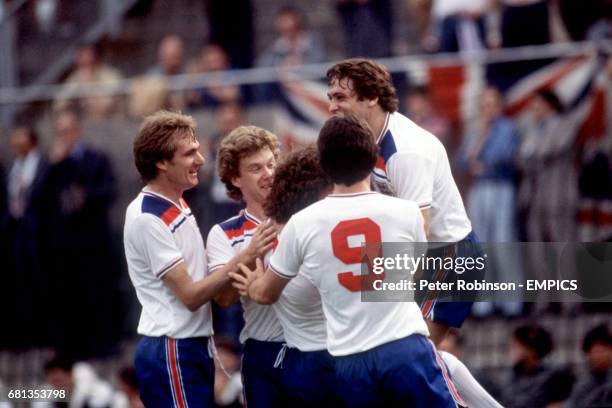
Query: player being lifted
(412, 164)
(163, 248)
(383, 356)
(246, 160)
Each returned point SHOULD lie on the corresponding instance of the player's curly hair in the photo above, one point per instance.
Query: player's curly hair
(347, 149)
(370, 80)
(299, 181)
(155, 141)
(238, 144)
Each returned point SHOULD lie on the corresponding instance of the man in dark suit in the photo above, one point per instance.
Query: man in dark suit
(22, 223)
(80, 189)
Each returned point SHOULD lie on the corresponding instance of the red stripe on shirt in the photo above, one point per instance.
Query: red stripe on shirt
(170, 215)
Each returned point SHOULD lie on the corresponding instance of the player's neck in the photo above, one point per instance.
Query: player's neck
(256, 210)
(166, 190)
(362, 186)
(377, 121)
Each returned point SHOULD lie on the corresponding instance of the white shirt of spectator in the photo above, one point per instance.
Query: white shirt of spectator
(306, 247)
(413, 165)
(226, 240)
(158, 235)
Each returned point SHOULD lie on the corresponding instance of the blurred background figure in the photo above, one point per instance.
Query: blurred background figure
(458, 25)
(129, 397)
(81, 383)
(294, 44)
(548, 191)
(594, 387)
(150, 93)
(228, 380)
(420, 110)
(90, 70)
(231, 26)
(212, 58)
(83, 313)
(532, 381)
(23, 262)
(368, 27)
(487, 154)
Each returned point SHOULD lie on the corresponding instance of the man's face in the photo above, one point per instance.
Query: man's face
(20, 142)
(182, 169)
(256, 175)
(600, 357)
(344, 99)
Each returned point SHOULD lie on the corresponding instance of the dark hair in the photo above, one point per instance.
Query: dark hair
(128, 377)
(59, 362)
(156, 140)
(238, 144)
(347, 149)
(534, 337)
(370, 80)
(551, 98)
(599, 334)
(299, 181)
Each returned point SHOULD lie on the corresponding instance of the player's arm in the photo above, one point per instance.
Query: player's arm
(193, 294)
(425, 212)
(261, 242)
(263, 287)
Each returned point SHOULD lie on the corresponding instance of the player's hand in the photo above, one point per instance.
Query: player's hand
(243, 281)
(263, 239)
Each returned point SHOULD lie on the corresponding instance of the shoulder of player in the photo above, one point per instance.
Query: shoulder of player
(405, 205)
(409, 136)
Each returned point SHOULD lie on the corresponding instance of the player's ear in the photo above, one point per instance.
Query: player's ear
(162, 165)
(373, 102)
(236, 182)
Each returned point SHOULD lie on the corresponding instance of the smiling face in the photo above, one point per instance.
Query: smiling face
(256, 173)
(343, 99)
(182, 170)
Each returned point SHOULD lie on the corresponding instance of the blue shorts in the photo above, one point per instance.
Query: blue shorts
(450, 313)
(402, 373)
(310, 378)
(263, 383)
(175, 372)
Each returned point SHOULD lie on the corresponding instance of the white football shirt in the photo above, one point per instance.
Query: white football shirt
(300, 314)
(226, 240)
(413, 165)
(158, 235)
(323, 242)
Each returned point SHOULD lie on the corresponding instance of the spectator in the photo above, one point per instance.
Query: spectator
(79, 191)
(212, 58)
(150, 93)
(129, 397)
(90, 70)
(294, 45)
(83, 387)
(593, 388)
(25, 277)
(421, 111)
(231, 26)
(367, 27)
(488, 155)
(518, 14)
(532, 382)
(459, 25)
(228, 380)
(548, 191)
